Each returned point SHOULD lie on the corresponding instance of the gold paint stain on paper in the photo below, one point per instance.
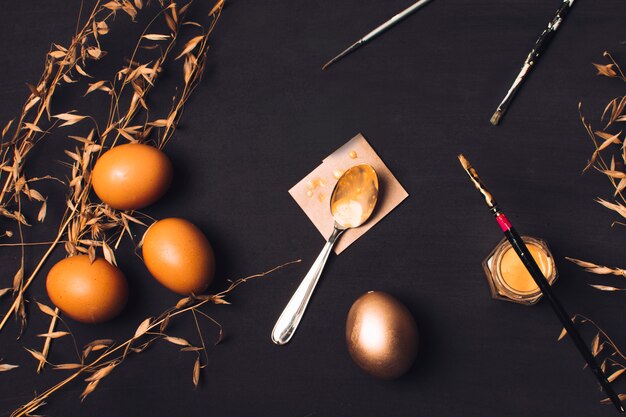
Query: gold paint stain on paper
(338, 173)
(313, 184)
(353, 154)
(320, 197)
(309, 193)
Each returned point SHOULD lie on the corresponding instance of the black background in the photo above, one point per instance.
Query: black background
(263, 117)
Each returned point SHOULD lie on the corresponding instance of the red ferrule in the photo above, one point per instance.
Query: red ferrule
(504, 223)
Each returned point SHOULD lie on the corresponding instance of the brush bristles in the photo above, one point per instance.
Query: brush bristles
(464, 162)
(495, 119)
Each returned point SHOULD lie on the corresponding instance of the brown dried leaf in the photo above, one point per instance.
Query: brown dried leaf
(68, 79)
(156, 37)
(109, 255)
(113, 5)
(67, 366)
(191, 349)
(46, 310)
(133, 219)
(92, 254)
(95, 344)
(81, 71)
(41, 215)
(143, 328)
(32, 127)
(183, 302)
(606, 288)
(164, 324)
(102, 372)
(622, 397)
(102, 28)
(177, 341)
(218, 7)
(620, 209)
(562, 335)
(34, 91)
(606, 70)
(613, 174)
(100, 85)
(170, 22)
(218, 299)
(7, 127)
(595, 344)
(17, 278)
(196, 373)
(4, 367)
(616, 374)
(5, 291)
(69, 118)
(37, 355)
(54, 335)
(191, 45)
(57, 54)
(130, 10)
(95, 52)
(91, 387)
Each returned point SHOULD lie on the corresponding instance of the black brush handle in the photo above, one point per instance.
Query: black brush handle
(546, 36)
(529, 262)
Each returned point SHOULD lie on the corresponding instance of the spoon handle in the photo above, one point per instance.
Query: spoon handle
(288, 321)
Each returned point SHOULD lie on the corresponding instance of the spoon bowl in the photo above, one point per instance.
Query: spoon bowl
(354, 196)
(351, 204)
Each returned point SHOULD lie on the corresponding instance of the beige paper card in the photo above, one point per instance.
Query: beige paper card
(313, 192)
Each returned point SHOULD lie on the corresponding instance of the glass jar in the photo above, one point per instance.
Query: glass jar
(507, 276)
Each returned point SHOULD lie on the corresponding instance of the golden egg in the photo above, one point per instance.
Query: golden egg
(85, 291)
(179, 256)
(381, 335)
(131, 176)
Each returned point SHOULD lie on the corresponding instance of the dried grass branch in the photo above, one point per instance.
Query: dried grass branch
(149, 331)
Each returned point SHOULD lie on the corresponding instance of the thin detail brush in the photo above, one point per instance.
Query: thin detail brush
(380, 29)
(540, 47)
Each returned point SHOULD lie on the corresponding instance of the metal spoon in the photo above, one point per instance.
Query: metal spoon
(351, 204)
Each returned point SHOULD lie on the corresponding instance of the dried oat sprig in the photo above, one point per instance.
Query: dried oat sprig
(607, 141)
(603, 348)
(148, 332)
(89, 225)
(63, 65)
(600, 270)
(612, 143)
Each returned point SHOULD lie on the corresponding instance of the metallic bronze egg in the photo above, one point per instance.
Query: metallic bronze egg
(381, 335)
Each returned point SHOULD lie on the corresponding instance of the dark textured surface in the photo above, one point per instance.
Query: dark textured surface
(264, 116)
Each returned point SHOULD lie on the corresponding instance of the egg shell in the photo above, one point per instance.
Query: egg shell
(179, 256)
(131, 176)
(85, 291)
(381, 335)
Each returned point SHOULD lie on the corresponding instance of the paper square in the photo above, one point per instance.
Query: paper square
(313, 192)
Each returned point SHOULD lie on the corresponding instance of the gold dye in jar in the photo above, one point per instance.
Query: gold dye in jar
(509, 279)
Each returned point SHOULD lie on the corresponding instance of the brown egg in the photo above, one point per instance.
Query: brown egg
(85, 291)
(179, 256)
(131, 176)
(381, 335)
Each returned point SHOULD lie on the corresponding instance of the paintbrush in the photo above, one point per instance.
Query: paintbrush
(380, 29)
(529, 262)
(540, 47)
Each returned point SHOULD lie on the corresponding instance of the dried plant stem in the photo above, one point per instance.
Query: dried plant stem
(124, 348)
(16, 301)
(48, 341)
